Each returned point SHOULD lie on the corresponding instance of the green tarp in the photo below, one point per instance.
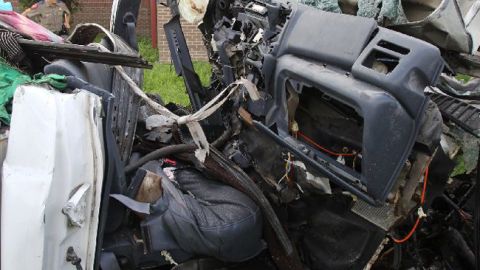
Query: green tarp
(11, 78)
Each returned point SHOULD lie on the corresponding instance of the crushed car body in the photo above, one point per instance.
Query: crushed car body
(325, 140)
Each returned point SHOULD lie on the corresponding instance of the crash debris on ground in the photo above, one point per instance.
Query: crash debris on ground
(333, 135)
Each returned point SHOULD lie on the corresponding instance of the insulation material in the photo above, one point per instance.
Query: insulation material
(193, 10)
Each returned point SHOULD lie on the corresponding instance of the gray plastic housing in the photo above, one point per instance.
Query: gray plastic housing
(336, 53)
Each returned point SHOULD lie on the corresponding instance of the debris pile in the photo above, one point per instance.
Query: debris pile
(348, 145)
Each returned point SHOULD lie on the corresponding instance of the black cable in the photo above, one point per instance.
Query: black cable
(159, 153)
(175, 149)
(397, 256)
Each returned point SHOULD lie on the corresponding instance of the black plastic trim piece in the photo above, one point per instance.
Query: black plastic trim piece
(461, 113)
(183, 62)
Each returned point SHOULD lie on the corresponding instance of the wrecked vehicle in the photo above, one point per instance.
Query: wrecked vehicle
(337, 142)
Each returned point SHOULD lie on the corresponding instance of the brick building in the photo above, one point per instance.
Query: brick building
(192, 34)
(99, 11)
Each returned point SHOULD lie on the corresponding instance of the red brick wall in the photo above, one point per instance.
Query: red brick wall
(99, 11)
(192, 34)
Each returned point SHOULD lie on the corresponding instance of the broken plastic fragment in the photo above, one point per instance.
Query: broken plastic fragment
(421, 213)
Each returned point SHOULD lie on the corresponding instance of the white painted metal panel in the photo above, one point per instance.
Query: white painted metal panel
(54, 161)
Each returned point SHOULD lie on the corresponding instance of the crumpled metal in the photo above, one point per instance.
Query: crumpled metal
(446, 27)
(451, 85)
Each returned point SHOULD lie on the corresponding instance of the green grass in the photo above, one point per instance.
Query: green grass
(146, 50)
(462, 77)
(162, 79)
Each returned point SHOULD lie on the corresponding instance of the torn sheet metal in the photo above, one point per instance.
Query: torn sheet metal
(452, 86)
(55, 149)
(76, 207)
(449, 24)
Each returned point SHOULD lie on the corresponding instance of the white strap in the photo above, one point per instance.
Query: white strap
(192, 120)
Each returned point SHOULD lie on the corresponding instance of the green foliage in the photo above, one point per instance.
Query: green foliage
(463, 78)
(146, 50)
(162, 79)
(73, 5)
(459, 167)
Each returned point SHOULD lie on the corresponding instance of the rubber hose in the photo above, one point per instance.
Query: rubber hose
(159, 153)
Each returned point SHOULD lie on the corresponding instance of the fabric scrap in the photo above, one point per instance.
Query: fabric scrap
(9, 46)
(6, 6)
(27, 27)
(11, 78)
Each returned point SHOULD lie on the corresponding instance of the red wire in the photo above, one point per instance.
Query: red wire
(412, 231)
(424, 189)
(312, 142)
(422, 200)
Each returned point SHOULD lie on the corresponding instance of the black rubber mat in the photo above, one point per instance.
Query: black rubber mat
(459, 112)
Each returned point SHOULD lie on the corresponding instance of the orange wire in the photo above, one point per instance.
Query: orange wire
(422, 200)
(323, 148)
(412, 231)
(424, 190)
